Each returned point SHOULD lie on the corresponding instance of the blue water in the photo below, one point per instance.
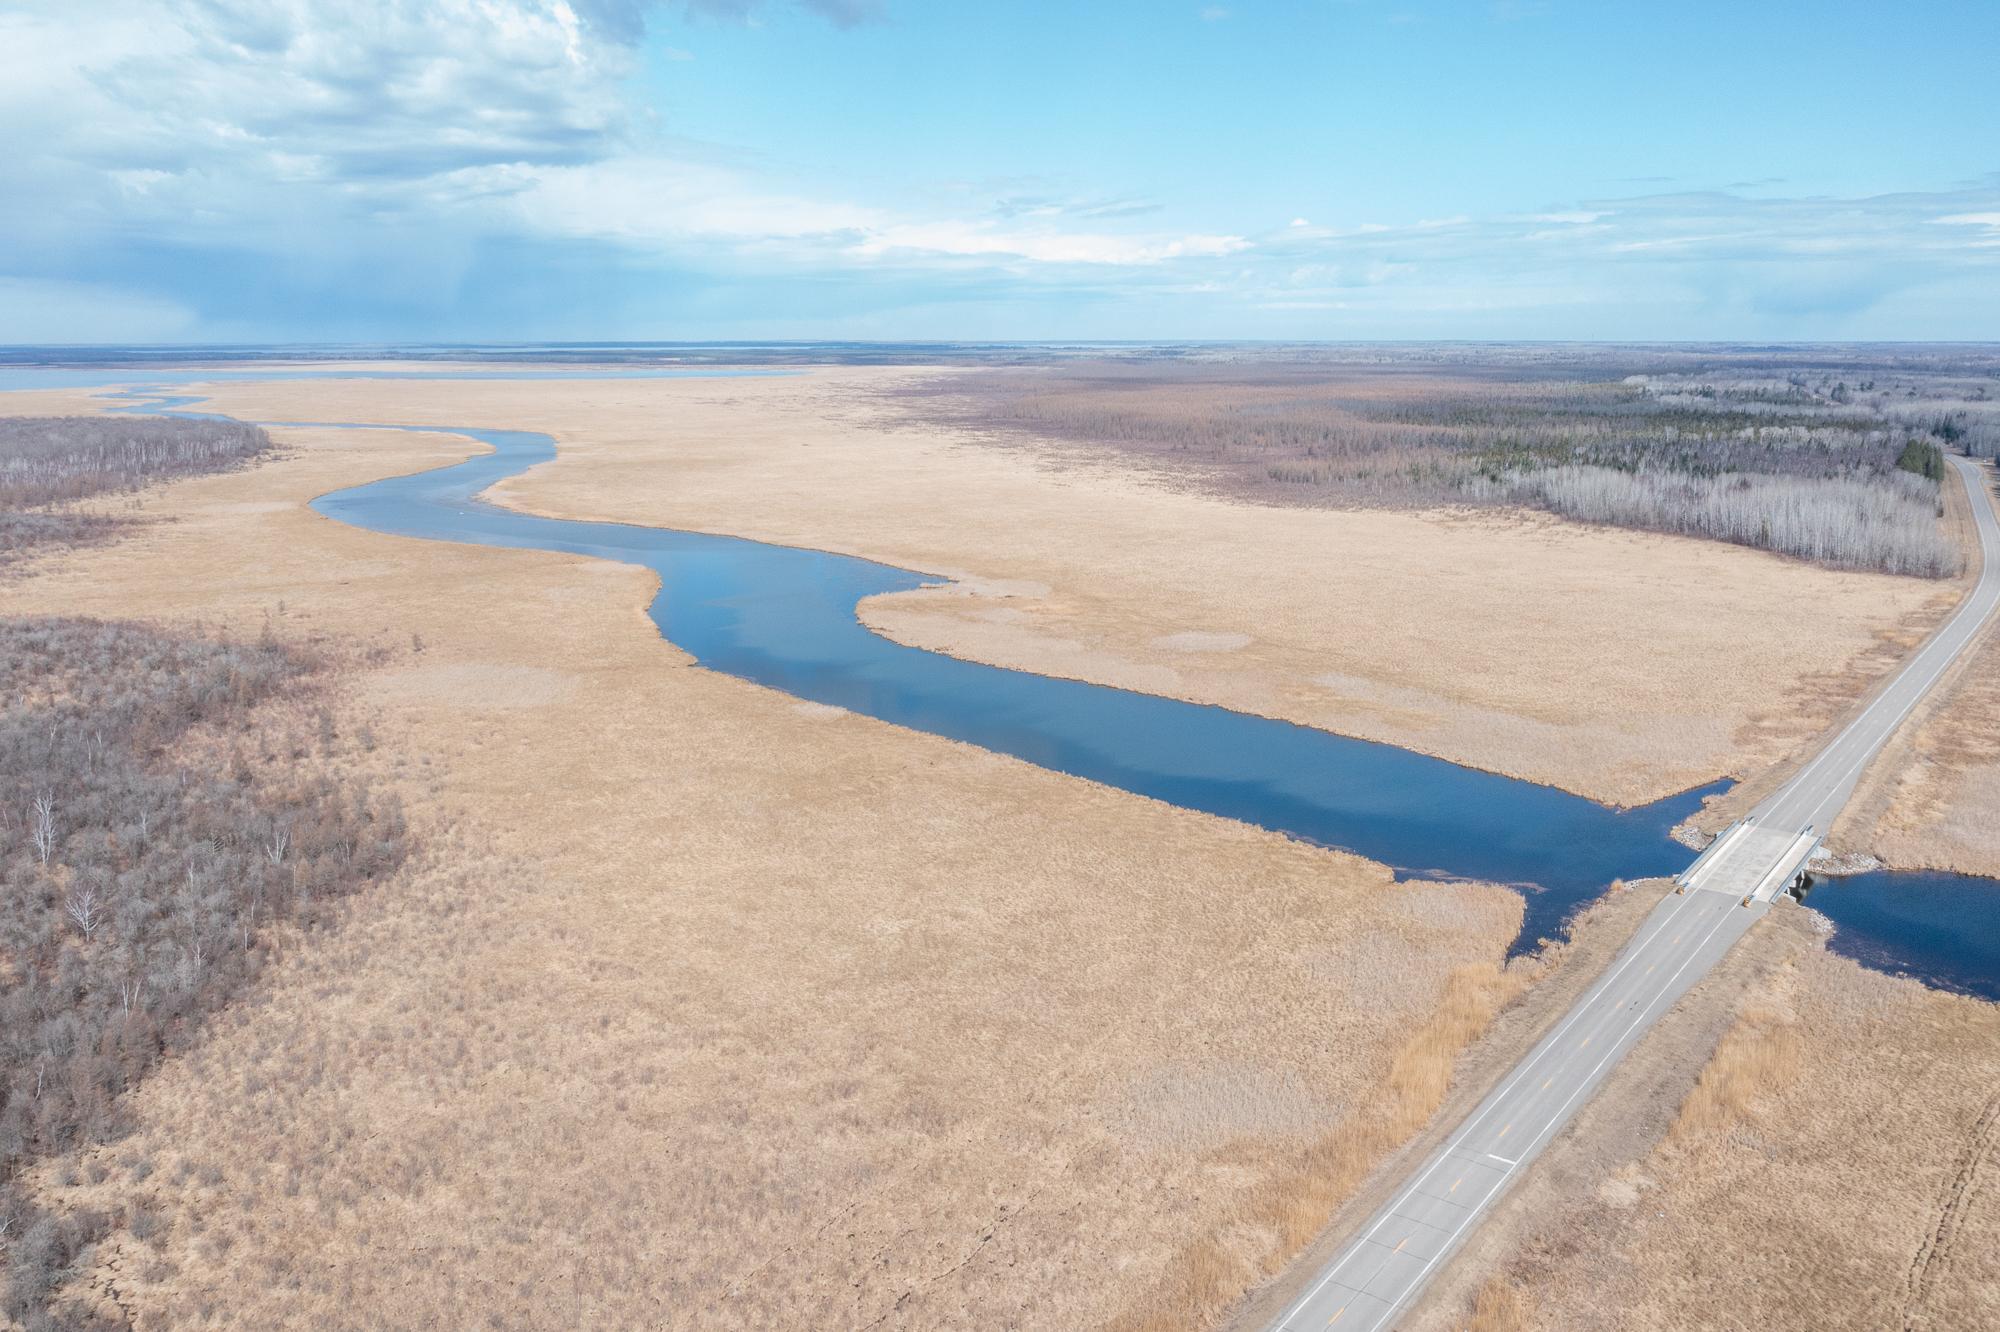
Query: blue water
(592, 356)
(785, 618)
(35, 377)
(1943, 929)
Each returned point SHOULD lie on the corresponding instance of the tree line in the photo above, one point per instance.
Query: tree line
(1841, 468)
(51, 466)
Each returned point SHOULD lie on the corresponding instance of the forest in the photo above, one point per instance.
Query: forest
(1838, 464)
(169, 810)
(57, 473)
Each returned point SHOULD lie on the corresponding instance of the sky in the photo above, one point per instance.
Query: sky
(523, 170)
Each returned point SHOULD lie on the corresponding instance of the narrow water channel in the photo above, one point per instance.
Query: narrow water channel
(785, 617)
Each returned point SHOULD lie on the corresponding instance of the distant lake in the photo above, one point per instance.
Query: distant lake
(30, 377)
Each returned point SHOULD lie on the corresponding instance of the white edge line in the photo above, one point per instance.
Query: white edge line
(1559, 1119)
(1486, 1107)
(1982, 587)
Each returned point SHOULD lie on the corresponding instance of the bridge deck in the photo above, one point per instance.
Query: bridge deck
(1757, 862)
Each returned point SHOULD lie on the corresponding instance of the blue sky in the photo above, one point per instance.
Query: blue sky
(193, 170)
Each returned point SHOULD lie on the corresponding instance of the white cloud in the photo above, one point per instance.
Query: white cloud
(338, 141)
(1661, 243)
(840, 13)
(653, 202)
(659, 203)
(189, 118)
(391, 89)
(264, 123)
(968, 239)
(162, 111)
(1989, 224)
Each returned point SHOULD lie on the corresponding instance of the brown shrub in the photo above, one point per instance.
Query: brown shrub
(1500, 1307)
(140, 877)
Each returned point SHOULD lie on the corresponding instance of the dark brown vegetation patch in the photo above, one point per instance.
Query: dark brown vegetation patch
(165, 805)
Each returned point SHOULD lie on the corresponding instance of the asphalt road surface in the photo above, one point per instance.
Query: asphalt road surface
(1380, 1271)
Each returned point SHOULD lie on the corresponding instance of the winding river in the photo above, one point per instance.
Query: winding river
(785, 618)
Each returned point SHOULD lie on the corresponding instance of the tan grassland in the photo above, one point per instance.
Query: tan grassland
(1939, 799)
(1617, 664)
(1559, 976)
(716, 1010)
(1933, 801)
(1832, 1166)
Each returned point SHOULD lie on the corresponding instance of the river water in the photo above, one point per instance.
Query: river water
(785, 618)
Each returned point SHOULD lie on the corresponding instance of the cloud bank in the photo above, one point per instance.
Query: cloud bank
(456, 168)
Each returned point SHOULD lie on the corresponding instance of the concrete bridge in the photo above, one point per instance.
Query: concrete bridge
(1752, 861)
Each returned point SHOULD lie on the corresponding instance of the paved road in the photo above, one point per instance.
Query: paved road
(1380, 1271)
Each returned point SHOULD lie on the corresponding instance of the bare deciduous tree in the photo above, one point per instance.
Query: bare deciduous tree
(82, 907)
(50, 464)
(144, 883)
(1749, 447)
(42, 826)
(1890, 524)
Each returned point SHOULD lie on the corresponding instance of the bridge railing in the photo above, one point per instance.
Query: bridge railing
(1787, 867)
(1685, 879)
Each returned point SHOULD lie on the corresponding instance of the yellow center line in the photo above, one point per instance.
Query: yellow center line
(1336, 1315)
(1545, 1085)
(1454, 1184)
(1586, 1043)
(1401, 1242)
(1505, 1131)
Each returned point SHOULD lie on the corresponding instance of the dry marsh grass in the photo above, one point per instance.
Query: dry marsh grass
(1486, 633)
(704, 1012)
(1935, 797)
(1758, 1058)
(1500, 1307)
(1292, 1208)
(1832, 1167)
